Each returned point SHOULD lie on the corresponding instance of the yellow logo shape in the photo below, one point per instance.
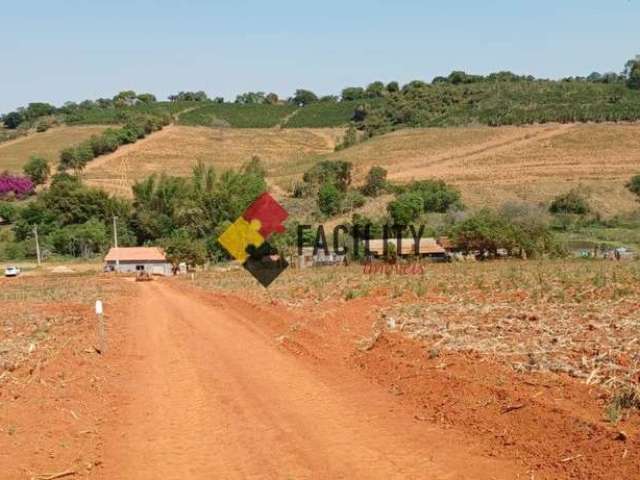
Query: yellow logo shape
(239, 236)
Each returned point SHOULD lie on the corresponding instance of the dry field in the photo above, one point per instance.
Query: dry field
(576, 317)
(15, 153)
(176, 149)
(494, 165)
(490, 165)
(499, 350)
(52, 397)
(462, 369)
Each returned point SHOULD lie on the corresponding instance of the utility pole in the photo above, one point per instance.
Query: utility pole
(115, 241)
(35, 234)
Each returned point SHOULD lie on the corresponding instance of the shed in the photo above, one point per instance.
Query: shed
(138, 259)
(428, 247)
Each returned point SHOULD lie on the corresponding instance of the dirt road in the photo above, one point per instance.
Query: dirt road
(207, 392)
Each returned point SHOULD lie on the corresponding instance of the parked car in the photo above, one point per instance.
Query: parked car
(11, 271)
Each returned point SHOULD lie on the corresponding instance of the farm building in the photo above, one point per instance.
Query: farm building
(137, 259)
(429, 248)
(308, 259)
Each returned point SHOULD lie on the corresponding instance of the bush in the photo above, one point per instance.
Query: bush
(83, 239)
(14, 186)
(350, 138)
(42, 126)
(406, 208)
(180, 247)
(330, 199)
(352, 200)
(12, 120)
(437, 196)
(572, 202)
(8, 212)
(376, 182)
(304, 97)
(37, 169)
(336, 172)
(634, 186)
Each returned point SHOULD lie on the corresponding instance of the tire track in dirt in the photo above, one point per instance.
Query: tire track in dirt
(441, 163)
(206, 393)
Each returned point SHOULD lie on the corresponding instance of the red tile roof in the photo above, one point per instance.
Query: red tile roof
(135, 254)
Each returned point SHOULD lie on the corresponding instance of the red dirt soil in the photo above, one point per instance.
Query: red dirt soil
(197, 385)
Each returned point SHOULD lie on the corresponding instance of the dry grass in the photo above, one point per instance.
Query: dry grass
(15, 153)
(494, 165)
(39, 314)
(490, 165)
(576, 317)
(178, 149)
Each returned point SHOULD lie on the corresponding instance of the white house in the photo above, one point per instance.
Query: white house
(137, 259)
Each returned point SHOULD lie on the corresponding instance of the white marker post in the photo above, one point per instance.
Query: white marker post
(102, 334)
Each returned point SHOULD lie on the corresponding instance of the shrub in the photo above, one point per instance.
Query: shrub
(8, 212)
(12, 120)
(14, 186)
(353, 93)
(352, 200)
(437, 196)
(42, 126)
(37, 169)
(376, 182)
(634, 186)
(304, 97)
(330, 199)
(336, 172)
(571, 202)
(406, 208)
(350, 138)
(80, 240)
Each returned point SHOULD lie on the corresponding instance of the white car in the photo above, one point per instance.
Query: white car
(11, 271)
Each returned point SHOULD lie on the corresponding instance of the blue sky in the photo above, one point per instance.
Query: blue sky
(56, 51)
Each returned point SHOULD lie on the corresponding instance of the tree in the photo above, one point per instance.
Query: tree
(350, 138)
(571, 202)
(147, 98)
(634, 186)
(76, 158)
(484, 232)
(198, 96)
(330, 199)
(12, 120)
(336, 172)
(80, 239)
(126, 98)
(271, 99)
(304, 97)
(393, 87)
(376, 182)
(15, 187)
(375, 90)
(38, 109)
(249, 98)
(437, 196)
(632, 73)
(352, 93)
(180, 247)
(37, 169)
(406, 208)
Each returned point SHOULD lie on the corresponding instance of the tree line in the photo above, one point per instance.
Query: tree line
(629, 77)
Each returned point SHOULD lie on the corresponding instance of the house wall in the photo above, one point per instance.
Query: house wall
(155, 268)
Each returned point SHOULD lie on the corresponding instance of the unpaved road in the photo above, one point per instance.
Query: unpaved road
(206, 392)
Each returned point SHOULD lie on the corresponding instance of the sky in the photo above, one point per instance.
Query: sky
(56, 51)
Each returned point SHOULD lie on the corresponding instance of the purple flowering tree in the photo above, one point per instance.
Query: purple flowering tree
(14, 186)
